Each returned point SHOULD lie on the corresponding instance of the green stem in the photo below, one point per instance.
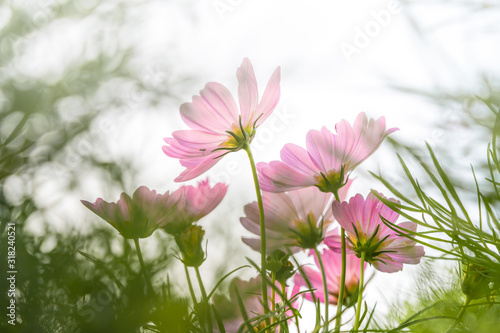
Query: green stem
(325, 287)
(459, 316)
(285, 323)
(205, 299)
(143, 266)
(360, 291)
(273, 295)
(191, 290)
(340, 298)
(263, 256)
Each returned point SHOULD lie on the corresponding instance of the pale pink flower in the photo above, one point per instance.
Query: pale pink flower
(296, 219)
(328, 159)
(332, 262)
(386, 249)
(193, 203)
(250, 293)
(137, 216)
(217, 127)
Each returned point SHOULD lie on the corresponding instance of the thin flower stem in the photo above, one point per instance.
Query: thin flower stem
(273, 295)
(338, 317)
(188, 278)
(360, 291)
(285, 323)
(263, 256)
(459, 316)
(143, 266)
(205, 299)
(325, 287)
(340, 301)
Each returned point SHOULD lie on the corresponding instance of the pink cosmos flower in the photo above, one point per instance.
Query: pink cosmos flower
(137, 216)
(296, 219)
(216, 125)
(328, 158)
(192, 203)
(332, 262)
(386, 249)
(250, 293)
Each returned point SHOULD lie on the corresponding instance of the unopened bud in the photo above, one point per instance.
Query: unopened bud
(476, 282)
(279, 264)
(189, 243)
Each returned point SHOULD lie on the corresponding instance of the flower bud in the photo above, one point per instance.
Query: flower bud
(279, 264)
(476, 282)
(189, 243)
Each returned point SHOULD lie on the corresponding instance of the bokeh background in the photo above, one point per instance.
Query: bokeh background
(89, 89)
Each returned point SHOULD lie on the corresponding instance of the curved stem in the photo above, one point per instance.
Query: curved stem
(325, 287)
(143, 266)
(360, 291)
(191, 290)
(263, 272)
(340, 301)
(459, 316)
(205, 299)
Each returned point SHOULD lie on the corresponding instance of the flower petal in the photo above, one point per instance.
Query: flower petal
(298, 158)
(279, 177)
(198, 167)
(201, 115)
(221, 102)
(199, 140)
(269, 99)
(248, 93)
(321, 149)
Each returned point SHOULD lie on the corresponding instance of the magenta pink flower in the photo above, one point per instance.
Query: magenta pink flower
(296, 219)
(192, 203)
(329, 157)
(332, 262)
(250, 293)
(216, 125)
(386, 249)
(137, 216)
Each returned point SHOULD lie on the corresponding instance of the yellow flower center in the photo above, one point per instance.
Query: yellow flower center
(331, 182)
(238, 136)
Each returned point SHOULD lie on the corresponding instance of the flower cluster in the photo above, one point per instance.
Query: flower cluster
(303, 203)
(140, 215)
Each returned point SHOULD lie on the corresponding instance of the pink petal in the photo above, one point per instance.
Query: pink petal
(221, 102)
(321, 149)
(203, 199)
(279, 177)
(270, 98)
(388, 266)
(248, 93)
(312, 200)
(175, 150)
(201, 115)
(199, 140)
(298, 158)
(202, 166)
